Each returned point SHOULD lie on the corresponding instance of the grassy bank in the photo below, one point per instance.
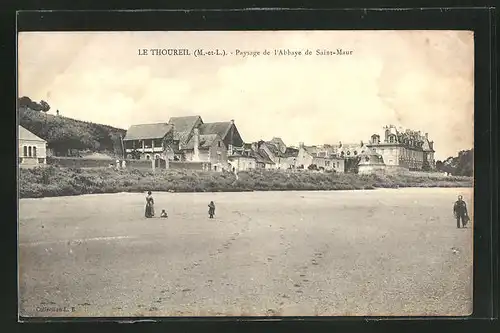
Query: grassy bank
(52, 181)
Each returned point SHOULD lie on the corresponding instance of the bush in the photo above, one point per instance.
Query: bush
(55, 181)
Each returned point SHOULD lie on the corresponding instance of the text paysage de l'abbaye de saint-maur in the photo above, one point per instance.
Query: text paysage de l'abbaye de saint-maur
(241, 53)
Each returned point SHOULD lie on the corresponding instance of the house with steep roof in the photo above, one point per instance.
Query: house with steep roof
(184, 139)
(226, 130)
(206, 148)
(183, 128)
(32, 149)
(324, 157)
(149, 141)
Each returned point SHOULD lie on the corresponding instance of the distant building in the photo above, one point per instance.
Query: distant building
(242, 159)
(32, 149)
(324, 157)
(149, 141)
(370, 162)
(350, 150)
(283, 157)
(407, 149)
(250, 156)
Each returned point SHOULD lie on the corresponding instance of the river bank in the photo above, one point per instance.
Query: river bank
(53, 181)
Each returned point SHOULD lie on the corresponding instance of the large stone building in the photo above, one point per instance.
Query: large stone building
(407, 149)
(32, 149)
(184, 139)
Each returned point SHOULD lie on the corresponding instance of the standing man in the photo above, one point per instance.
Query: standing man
(460, 212)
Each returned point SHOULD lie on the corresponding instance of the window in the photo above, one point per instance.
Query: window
(29, 151)
(41, 161)
(34, 151)
(327, 163)
(25, 151)
(338, 164)
(218, 144)
(147, 157)
(355, 152)
(20, 160)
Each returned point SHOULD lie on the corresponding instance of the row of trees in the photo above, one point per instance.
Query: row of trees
(461, 165)
(26, 103)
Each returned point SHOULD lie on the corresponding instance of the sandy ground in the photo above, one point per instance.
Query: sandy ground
(380, 252)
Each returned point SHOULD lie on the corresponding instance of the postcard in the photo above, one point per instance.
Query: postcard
(245, 173)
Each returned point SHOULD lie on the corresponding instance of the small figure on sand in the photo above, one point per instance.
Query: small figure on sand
(211, 209)
(460, 212)
(150, 205)
(163, 214)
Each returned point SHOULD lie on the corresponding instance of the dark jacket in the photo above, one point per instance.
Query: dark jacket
(460, 208)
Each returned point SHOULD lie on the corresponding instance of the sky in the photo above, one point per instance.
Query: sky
(421, 80)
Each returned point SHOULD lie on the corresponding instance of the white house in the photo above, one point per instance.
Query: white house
(32, 149)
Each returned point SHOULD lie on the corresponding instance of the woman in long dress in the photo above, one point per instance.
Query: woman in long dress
(150, 205)
(211, 210)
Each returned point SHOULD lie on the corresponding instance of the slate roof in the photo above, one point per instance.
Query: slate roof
(261, 156)
(220, 128)
(24, 134)
(183, 126)
(273, 148)
(147, 131)
(291, 152)
(206, 141)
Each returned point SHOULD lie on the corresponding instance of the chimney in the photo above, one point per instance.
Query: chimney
(232, 121)
(340, 144)
(196, 141)
(426, 135)
(301, 145)
(57, 112)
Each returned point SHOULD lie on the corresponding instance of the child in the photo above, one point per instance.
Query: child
(211, 209)
(163, 214)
